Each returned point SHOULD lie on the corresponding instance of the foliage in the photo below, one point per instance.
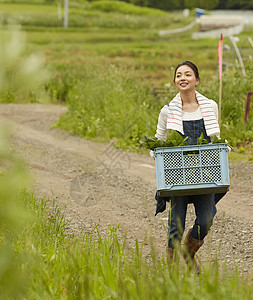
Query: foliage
(234, 4)
(106, 83)
(94, 15)
(167, 5)
(120, 108)
(113, 69)
(14, 216)
(17, 79)
(126, 8)
(20, 75)
(122, 113)
(174, 139)
(58, 265)
(201, 140)
(207, 4)
(233, 105)
(201, 4)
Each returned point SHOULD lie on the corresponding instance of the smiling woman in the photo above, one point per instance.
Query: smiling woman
(192, 115)
(186, 78)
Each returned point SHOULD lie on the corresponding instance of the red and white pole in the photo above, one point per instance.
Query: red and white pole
(220, 74)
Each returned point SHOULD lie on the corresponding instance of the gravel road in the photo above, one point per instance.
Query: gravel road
(95, 184)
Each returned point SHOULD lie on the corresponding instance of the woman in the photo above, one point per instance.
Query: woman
(191, 114)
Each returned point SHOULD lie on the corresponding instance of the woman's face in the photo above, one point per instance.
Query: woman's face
(185, 79)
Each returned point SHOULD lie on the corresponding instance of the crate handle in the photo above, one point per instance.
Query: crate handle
(191, 152)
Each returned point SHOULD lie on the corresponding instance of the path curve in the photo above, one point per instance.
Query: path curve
(96, 184)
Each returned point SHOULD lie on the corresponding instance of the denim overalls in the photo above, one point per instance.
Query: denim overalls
(204, 205)
(194, 129)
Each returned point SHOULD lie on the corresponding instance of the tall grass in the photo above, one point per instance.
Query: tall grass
(105, 73)
(98, 14)
(126, 8)
(13, 178)
(41, 259)
(234, 95)
(21, 74)
(121, 107)
(57, 265)
(110, 102)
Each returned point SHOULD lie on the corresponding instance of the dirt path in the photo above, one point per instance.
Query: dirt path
(97, 184)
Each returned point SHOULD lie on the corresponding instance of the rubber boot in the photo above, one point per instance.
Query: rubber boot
(191, 246)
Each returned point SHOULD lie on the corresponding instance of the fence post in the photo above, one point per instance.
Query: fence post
(66, 13)
(233, 41)
(247, 107)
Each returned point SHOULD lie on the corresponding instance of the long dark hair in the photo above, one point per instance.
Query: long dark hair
(189, 64)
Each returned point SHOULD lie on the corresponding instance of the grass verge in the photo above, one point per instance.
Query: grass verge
(40, 259)
(105, 71)
(55, 265)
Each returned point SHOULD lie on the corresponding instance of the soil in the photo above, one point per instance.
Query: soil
(95, 184)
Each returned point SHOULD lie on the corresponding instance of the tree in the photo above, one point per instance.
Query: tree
(166, 4)
(204, 4)
(181, 4)
(139, 2)
(222, 4)
(239, 4)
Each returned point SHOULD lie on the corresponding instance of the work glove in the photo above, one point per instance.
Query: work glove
(152, 154)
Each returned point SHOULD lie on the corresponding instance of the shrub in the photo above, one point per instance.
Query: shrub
(126, 8)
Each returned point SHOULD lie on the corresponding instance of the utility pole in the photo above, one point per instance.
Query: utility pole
(66, 13)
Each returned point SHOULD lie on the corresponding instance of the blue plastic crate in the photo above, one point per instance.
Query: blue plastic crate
(192, 170)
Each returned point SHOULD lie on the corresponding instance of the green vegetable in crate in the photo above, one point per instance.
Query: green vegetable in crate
(176, 139)
(201, 140)
(173, 139)
(216, 140)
